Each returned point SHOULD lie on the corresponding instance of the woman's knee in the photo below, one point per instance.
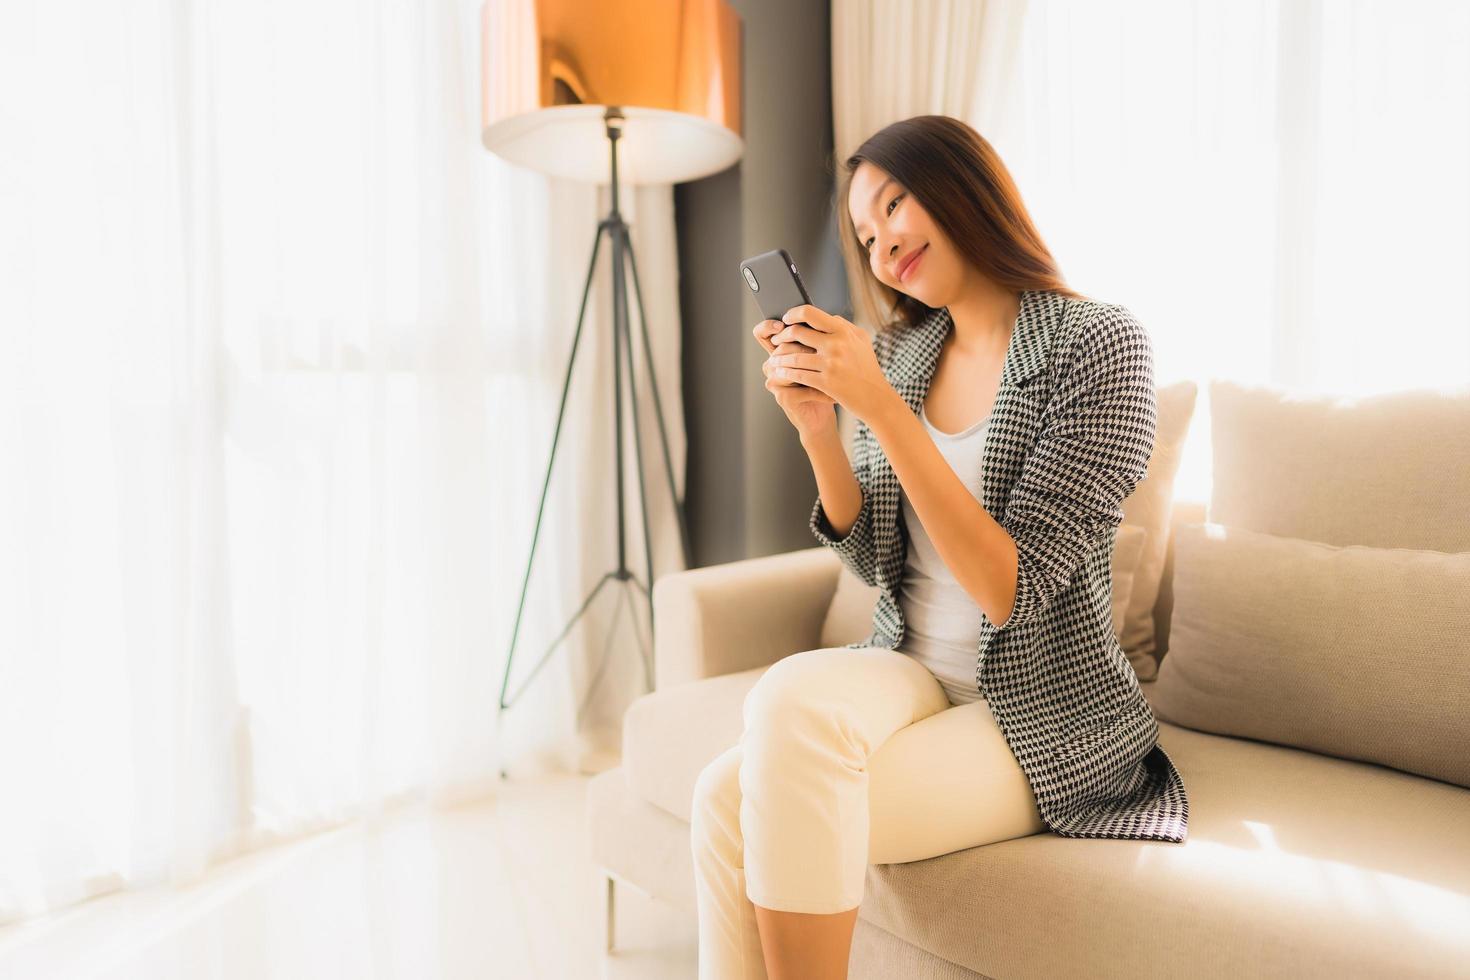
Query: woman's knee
(789, 689)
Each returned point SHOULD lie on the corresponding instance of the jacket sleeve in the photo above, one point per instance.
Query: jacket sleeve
(1093, 451)
(856, 548)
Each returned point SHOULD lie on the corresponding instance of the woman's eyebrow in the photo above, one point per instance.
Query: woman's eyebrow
(874, 202)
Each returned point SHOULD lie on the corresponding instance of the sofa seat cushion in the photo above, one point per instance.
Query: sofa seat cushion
(670, 735)
(1296, 865)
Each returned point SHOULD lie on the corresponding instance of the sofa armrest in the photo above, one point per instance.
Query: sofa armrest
(721, 619)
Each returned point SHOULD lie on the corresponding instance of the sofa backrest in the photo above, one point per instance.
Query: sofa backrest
(1323, 603)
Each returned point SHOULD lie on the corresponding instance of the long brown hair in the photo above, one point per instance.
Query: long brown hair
(960, 180)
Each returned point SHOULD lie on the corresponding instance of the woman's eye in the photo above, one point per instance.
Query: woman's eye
(868, 245)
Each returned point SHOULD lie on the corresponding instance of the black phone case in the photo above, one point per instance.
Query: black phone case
(773, 280)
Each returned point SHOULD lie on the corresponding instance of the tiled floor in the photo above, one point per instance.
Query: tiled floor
(504, 888)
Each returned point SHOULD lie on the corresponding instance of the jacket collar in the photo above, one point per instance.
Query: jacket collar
(1029, 349)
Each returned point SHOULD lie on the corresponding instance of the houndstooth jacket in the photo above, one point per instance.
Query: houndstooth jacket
(1070, 437)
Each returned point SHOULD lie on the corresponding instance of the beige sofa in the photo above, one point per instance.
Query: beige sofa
(1299, 862)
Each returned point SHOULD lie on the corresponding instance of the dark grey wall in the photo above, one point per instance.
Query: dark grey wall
(749, 485)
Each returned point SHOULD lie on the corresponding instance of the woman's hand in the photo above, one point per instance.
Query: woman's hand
(808, 409)
(841, 363)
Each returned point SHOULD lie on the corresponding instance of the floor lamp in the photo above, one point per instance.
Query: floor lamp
(616, 92)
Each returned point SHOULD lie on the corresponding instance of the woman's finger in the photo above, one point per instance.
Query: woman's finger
(794, 367)
(810, 315)
(811, 362)
(778, 359)
(777, 376)
(799, 376)
(799, 333)
(763, 332)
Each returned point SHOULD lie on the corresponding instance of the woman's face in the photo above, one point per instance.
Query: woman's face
(891, 225)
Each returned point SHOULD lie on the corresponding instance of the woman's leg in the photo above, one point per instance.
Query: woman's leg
(812, 722)
(736, 939)
(729, 938)
(946, 783)
(799, 946)
(789, 831)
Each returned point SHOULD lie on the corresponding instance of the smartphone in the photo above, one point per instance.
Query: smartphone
(774, 282)
(776, 286)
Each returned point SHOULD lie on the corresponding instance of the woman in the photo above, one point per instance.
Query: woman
(1002, 419)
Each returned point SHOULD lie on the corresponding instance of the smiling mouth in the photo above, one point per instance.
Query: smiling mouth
(903, 273)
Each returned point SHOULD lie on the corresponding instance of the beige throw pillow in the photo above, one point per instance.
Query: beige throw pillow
(1148, 507)
(1355, 652)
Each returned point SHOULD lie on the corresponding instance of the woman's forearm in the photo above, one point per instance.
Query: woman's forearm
(838, 488)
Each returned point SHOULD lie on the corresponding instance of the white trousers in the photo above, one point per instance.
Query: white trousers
(849, 757)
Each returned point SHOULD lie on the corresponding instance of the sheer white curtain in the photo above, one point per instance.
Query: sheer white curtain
(1276, 187)
(282, 348)
(891, 61)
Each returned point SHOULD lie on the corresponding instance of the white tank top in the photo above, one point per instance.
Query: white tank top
(941, 621)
